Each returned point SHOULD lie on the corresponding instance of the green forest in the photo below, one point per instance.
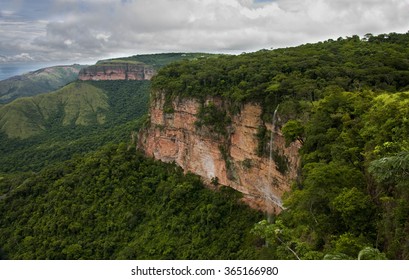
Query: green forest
(117, 204)
(72, 126)
(346, 102)
(83, 192)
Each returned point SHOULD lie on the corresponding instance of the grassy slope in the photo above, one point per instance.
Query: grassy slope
(36, 82)
(76, 103)
(53, 127)
(64, 133)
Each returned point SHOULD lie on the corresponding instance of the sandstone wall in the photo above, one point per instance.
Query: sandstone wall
(122, 71)
(174, 137)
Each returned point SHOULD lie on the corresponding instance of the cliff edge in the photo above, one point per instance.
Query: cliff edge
(117, 71)
(180, 131)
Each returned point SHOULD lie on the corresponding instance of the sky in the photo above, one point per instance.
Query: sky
(79, 31)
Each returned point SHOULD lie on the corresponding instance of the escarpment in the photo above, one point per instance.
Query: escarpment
(223, 148)
(117, 71)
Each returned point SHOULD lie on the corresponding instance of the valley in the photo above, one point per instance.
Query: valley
(160, 157)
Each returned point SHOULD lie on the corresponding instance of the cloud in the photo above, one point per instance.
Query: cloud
(22, 57)
(85, 30)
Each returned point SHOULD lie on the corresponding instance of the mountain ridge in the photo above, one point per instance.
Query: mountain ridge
(37, 141)
(76, 103)
(39, 81)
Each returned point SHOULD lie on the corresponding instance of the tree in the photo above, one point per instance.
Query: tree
(277, 234)
(73, 252)
(392, 170)
(3, 255)
(391, 173)
(369, 253)
(350, 244)
(356, 210)
(293, 130)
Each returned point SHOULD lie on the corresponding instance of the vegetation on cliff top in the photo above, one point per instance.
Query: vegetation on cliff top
(346, 101)
(307, 72)
(157, 61)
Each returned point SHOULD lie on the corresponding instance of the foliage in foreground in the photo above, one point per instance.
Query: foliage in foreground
(354, 188)
(116, 204)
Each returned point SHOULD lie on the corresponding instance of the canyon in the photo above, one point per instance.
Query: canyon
(173, 135)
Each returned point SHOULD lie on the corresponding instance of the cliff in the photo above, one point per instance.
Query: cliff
(117, 71)
(230, 158)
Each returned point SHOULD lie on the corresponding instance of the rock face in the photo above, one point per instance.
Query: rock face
(117, 71)
(232, 159)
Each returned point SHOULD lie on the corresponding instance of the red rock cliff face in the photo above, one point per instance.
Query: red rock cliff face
(175, 137)
(120, 71)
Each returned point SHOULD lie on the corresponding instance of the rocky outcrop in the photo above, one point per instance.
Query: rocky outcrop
(231, 159)
(117, 71)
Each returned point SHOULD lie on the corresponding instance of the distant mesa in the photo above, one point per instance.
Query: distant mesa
(117, 70)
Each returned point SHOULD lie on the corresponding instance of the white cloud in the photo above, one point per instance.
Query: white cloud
(22, 57)
(6, 13)
(93, 29)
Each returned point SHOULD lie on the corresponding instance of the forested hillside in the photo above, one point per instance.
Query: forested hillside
(307, 72)
(157, 61)
(116, 204)
(36, 82)
(78, 118)
(346, 102)
(109, 204)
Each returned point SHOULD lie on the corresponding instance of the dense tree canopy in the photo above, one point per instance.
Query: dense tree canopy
(353, 193)
(116, 204)
(379, 63)
(345, 101)
(127, 102)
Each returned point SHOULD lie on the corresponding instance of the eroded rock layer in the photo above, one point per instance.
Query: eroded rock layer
(232, 159)
(117, 71)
